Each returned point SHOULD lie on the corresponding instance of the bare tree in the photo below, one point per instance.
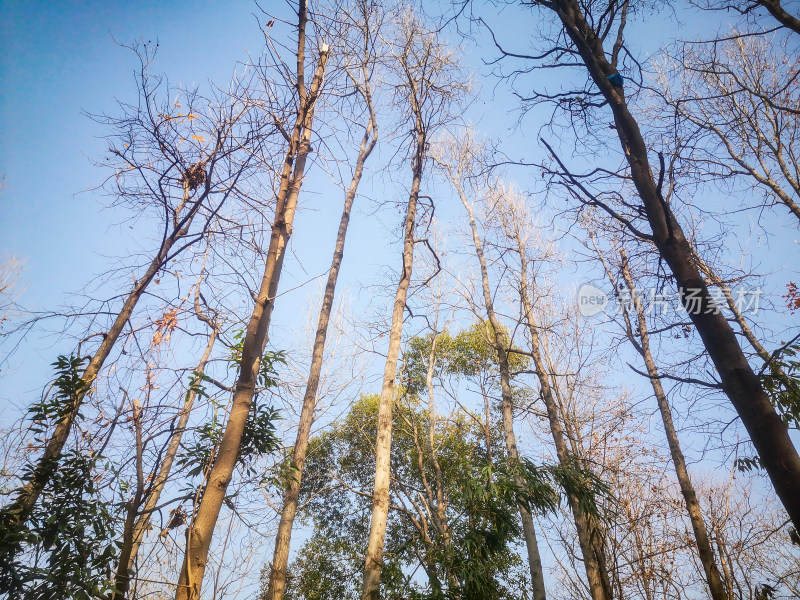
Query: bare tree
(11, 268)
(736, 104)
(148, 490)
(458, 162)
(427, 85)
(514, 222)
(642, 345)
(580, 40)
(184, 165)
(200, 532)
(355, 35)
(776, 8)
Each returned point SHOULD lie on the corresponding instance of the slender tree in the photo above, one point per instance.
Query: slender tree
(148, 490)
(427, 84)
(458, 167)
(636, 331)
(589, 534)
(357, 34)
(298, 145)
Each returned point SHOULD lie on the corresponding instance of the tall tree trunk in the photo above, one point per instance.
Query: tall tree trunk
(199, 534)
(589, 537)
(280, 560)
(742, 386)
(380, 495)
(704, 550)
(781, 15)
(437, 500)
(16, 514)
(137, 521)
(499, 342)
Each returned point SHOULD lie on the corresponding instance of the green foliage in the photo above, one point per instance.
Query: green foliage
(267, 374)
(67, 388)
(748, 464)
(782, 383)
(63, 550)
(476, 559)
(470, 353)
(258, 437)
(323, 569)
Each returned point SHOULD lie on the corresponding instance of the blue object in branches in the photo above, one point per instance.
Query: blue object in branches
(616, 80)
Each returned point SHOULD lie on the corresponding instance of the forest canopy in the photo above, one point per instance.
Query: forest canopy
(457, 301)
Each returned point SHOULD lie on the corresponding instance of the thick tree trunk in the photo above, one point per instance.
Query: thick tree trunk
(742, 386)
(784, 18)
(14, 515)
(280, 560)
(200, 532)
(380, 497)
(704, 549)
(589, 537)
(499, 342)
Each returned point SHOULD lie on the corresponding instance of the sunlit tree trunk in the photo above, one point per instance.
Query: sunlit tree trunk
(200, 532)
(428, 82)
(380, 497)
(277, 579)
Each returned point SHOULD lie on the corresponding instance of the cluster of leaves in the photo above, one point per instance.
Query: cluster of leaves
(267, 367)
(782, 383)
(469, 353)
(67, 388)
(258, 437)
(68, 537)
(63, 550)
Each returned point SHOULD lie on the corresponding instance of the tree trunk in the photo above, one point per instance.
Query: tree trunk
(742, 386)
(589, 537)
(499, 342)
(704, 549)
(277, 578)
(784, 18)
(135, 528)
(199, 533)
(16, 514)
(380, 497)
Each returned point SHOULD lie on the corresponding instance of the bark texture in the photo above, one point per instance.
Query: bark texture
(200, 532)
(742, 386)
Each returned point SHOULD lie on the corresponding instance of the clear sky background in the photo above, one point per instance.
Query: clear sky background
(59, 60)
